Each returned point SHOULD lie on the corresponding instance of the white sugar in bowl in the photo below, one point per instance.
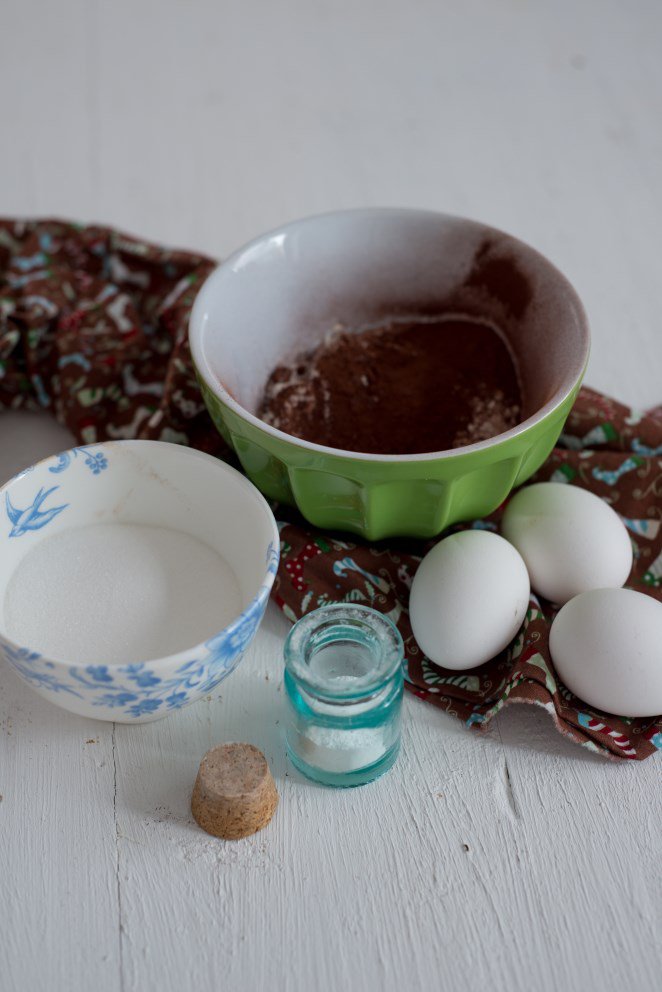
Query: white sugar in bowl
(133, 576)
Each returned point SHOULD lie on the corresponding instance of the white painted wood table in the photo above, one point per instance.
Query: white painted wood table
(513, 860)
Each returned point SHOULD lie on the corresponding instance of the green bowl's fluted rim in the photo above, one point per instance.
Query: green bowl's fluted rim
(197, 327)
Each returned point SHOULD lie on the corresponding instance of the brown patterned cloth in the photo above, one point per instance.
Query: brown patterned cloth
(93, 328)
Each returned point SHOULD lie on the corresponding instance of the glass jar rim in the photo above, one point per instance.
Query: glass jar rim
(352, 620)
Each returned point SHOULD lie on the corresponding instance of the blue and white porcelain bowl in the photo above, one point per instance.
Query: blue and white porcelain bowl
(143, 482)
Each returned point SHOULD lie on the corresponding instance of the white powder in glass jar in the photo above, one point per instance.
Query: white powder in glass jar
(341, 750)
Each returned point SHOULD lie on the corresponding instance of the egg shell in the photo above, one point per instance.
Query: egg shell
(606, 646)
(468, 599)
(570, 539)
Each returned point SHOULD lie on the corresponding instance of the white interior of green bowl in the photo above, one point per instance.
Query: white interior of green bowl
(281, 294)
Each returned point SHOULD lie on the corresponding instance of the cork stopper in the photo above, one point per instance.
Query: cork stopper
(234, 794)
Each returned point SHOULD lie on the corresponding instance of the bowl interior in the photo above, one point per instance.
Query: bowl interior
(141, 482)
(283, 292)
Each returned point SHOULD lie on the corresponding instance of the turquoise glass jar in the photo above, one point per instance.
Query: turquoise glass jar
(343, 689)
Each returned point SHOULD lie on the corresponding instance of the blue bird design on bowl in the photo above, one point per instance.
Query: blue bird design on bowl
(32, 518)
(143, 690)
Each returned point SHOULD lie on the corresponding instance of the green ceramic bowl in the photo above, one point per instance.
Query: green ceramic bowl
(280, 295)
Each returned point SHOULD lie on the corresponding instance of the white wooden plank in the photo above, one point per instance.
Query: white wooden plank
(58, 856)
(375, 888)
(59, 898)
(225, 119)
(367, 888)
(589, 856)
(26, 438)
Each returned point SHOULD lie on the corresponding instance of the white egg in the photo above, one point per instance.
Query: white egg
(606, 646)
(570, 539)
(468, 599)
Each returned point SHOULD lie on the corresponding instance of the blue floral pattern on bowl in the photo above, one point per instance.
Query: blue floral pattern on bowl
(33, 517)
(149, 689)
(96, 461)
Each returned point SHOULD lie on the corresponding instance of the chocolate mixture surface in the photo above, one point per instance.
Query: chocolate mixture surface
(402, 388)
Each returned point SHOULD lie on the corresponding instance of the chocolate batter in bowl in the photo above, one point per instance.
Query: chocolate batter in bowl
(381, 276)
(405, 387)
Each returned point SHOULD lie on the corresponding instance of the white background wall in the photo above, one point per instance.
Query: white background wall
(201, 124)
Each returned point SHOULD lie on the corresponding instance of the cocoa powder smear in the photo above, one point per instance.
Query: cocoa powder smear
(402, 388)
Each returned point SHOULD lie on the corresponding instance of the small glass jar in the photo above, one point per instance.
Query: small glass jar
(343, 687)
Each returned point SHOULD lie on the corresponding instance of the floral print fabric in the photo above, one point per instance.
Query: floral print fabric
(93, 328)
